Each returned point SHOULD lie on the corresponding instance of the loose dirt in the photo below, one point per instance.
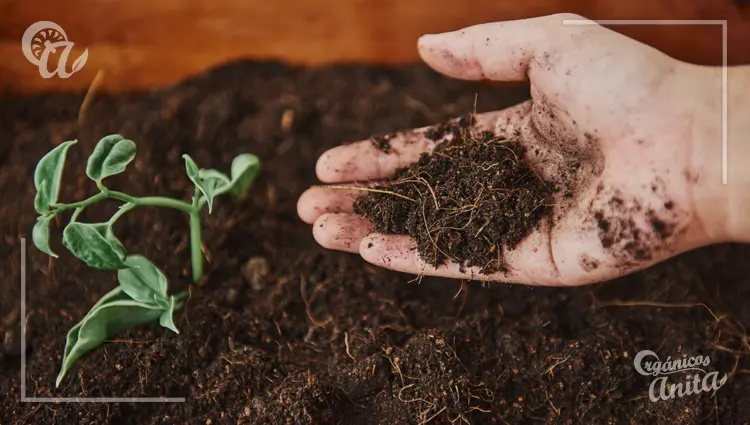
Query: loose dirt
(470, 200)
(284, 331)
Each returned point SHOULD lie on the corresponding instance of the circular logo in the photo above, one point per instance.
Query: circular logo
(44, 38)
(40, 37)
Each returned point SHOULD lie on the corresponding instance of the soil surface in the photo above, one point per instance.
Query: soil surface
(284, 331)
(471, 199)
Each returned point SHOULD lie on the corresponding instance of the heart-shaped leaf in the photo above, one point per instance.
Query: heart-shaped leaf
(40, 235)
(245, 168)
(167, 317)
(47, 176)
(143, 281)
(95, 245)
(210, 183)
(112, 314)
(111, 155)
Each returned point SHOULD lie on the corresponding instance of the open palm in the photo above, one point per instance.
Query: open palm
(610, 123)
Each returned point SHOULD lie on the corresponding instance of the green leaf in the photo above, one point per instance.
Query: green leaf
(41, 199)
(143, 281)
(112, 314)
(40, 235)
(191, 167)
(214, 183)
(217, 178)
(95, 245)
(47, 176)
(111, 155)
(210, 183)
(245, 168)
(167, 317)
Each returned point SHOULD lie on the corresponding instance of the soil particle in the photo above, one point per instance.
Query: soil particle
(255, 272)
(589, 264)
(631, 233)
(469, 200)
(662, 229)
(383, 142)
(455, 128)
(10, 333)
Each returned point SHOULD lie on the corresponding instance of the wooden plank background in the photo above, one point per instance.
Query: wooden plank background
(141, 44)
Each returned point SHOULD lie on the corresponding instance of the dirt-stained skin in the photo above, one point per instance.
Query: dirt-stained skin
(610, 126)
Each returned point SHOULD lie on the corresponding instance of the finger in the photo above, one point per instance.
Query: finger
(342, 232)
(364, 160)
(320, 200)
(501, 51)
(528, 263)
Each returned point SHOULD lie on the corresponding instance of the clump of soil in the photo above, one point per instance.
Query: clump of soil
(432, 380)
(471, 199)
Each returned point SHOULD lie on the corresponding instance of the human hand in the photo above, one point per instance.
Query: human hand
(616, 122)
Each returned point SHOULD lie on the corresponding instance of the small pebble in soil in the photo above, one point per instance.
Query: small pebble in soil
(255, 271)
(10, 330)
(232, 294)
(11, 343)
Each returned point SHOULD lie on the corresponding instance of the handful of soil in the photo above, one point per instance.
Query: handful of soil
(471, 199)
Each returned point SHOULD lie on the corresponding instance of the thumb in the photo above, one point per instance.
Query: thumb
(500, 51)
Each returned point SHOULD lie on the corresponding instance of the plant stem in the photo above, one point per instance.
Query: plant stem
(196, 254)
(123, 209)
(85, 203)
(75, 215)
(153, 201)
(182, 295)
(193, 210)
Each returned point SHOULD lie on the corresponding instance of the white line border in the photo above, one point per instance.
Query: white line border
(724, 92)
(25, 399)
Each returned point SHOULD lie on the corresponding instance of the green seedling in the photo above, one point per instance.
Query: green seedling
(141, 296)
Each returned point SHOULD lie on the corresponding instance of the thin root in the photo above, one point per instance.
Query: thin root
(367, 189)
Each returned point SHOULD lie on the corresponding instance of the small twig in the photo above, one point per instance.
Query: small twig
(367, 189)
(433, 416)
(346, 342)
(482, 228)
(551, 369)
(308, 309)
(491, 166)
(89, 96)
(459, 289)
(437, 206)
(617, 303)
(429, 234)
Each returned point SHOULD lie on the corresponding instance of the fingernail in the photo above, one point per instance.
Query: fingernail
(451, 53)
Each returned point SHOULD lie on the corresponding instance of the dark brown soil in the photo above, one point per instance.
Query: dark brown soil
(284, 331)
(471, 199)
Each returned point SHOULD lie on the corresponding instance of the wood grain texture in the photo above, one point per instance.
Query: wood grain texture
(141, 44)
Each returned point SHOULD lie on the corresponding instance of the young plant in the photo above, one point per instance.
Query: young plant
(141, 296)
